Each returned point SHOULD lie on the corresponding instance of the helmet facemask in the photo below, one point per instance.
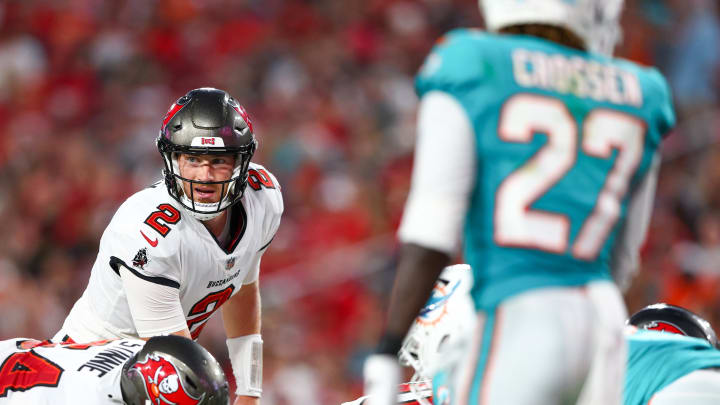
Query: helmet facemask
(231, 191)
(410, 355)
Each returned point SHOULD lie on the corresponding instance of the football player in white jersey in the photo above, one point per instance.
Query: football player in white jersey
(177, 251)
(168, 370)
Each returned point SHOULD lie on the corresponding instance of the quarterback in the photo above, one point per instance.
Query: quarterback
(167, 370)
(179, 250)
(537, 152)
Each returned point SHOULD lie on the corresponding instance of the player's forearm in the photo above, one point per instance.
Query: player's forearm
(241, 314)
(417, 272)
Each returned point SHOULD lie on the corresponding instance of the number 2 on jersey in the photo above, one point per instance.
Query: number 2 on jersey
(165, 213)
(604, 130)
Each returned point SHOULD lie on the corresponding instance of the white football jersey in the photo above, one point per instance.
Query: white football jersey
(76, 374)
(155, 239)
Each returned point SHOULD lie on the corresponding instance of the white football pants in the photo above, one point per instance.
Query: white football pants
(544, 347)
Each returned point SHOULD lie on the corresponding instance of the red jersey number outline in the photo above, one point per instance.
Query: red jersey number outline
(202, 314)
(22, 371)
(259, 178)
(165, 213)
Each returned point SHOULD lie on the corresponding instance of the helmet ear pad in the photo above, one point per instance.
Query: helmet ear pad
(674, 319)
(197, 374)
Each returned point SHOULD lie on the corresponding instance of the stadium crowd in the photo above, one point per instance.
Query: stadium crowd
(84, 85)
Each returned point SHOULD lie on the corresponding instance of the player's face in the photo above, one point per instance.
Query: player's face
(206, 168)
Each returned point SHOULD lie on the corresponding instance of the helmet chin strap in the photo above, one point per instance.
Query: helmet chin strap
(200, 216)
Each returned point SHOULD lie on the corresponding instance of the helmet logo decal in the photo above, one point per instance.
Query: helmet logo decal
(207, 141)
(435, 309)
(163, 384)
(663, 326)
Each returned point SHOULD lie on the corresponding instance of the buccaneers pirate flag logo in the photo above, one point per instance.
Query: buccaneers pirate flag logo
(163, 384)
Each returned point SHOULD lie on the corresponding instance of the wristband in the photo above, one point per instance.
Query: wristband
(246, 360)
(382, 375)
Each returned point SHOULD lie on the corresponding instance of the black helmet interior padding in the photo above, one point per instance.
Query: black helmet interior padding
(200, 376)
(674, 319)
(207, 121)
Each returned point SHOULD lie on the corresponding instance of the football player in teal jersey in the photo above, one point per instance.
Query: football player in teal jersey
(539, 151)
(665, 368)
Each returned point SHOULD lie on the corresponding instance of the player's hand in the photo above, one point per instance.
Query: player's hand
(382, 376)
(245, 400)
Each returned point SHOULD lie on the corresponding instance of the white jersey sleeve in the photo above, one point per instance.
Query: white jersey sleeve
(155, 308)
(150, 270)
(140, 240)
(39, 373)
(436, 206)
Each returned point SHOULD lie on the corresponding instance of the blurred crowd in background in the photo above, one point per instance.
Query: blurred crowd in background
(84, 85)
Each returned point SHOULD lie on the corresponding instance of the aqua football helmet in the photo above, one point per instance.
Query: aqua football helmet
(595, 22)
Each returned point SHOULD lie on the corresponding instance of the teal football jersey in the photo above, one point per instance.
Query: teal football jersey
(656, 359)
(563, 139)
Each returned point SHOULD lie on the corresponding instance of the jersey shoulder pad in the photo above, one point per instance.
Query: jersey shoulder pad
(149, 218)
(264, 185)
(659, 92)
(455, 61)
(657, 97)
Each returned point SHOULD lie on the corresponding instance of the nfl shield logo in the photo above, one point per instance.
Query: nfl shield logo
(230, 263)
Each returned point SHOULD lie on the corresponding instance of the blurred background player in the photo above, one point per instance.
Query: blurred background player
(666, 369)
(177, 251)
(163, 370)
(544, 151)
(438, 339)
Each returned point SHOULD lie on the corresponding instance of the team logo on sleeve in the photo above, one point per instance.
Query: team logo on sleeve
(140, 259)
(163, 384)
